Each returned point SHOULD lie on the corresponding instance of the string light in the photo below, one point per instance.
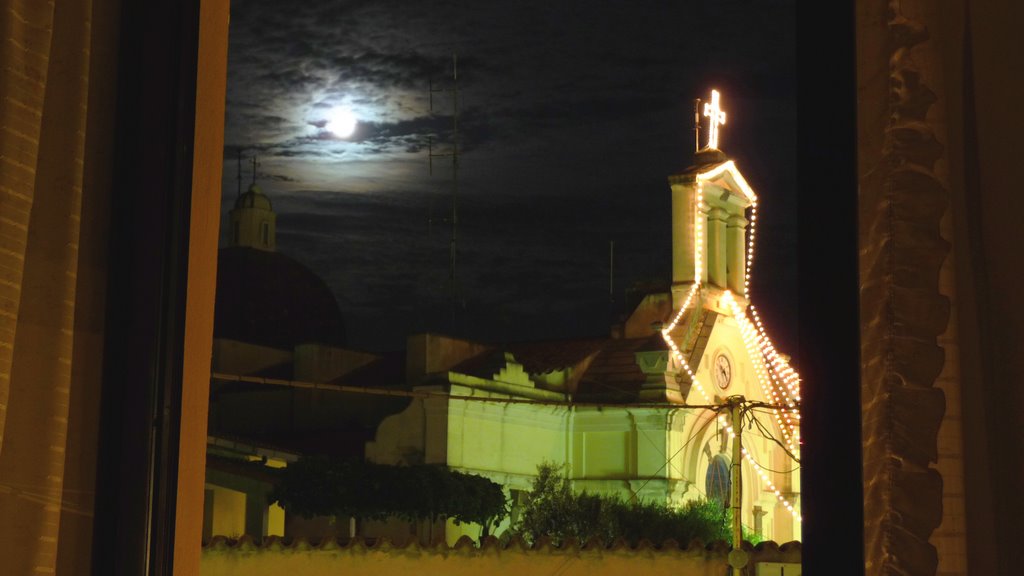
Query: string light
(749, 340)
(778, 381)
(729, 166)
(780, 365)
(698, 261)
(717, 117)
(750, 247)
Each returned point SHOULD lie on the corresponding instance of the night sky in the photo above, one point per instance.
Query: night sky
(572, 116)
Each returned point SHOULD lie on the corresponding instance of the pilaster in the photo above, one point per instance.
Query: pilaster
(737, 257)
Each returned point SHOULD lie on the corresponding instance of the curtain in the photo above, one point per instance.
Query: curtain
(939, 93)
(57, 62)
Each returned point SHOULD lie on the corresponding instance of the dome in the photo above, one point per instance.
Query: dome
(253, 198)
(269, 299)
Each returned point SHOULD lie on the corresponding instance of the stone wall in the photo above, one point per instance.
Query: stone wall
(224, 557)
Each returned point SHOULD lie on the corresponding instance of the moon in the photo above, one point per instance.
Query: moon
(341, 122)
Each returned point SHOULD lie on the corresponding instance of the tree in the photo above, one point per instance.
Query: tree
(317, 486)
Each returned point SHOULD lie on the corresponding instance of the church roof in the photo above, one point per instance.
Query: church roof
(270, 299)
(253, 198)
(605, 370)
(388, 371)
(614, 375)
(545, 356)
(704, 160)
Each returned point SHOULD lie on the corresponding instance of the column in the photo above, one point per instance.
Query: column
(682, 231)
(716, 247)
(705, 240)
(737, 254)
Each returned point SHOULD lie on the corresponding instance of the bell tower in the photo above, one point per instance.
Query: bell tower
(253, 221)
(710, 202)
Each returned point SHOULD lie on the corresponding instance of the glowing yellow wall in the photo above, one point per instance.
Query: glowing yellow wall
(778, 523)
(466, 560)
(275, 521)
(228, 511)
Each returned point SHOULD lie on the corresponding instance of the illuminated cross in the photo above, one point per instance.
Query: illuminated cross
(717, 117)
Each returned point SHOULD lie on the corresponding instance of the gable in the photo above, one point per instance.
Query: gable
(726, 340)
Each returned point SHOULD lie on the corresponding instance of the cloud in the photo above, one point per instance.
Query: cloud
(262, 176)
(571, 115)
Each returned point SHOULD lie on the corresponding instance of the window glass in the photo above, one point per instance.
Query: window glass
(475, 201)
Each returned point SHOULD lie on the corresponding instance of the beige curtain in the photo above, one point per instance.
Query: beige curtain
(939, 143)
(57, 59)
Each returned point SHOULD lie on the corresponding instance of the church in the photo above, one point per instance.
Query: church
(648, 413)
(641, 414)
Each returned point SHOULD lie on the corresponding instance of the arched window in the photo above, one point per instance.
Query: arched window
(717, 483)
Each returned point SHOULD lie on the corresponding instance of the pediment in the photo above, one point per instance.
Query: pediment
(726, 184)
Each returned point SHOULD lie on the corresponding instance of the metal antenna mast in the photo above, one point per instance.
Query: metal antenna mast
(255, 164)
(696, 125)
(453, 153)
(239, 193)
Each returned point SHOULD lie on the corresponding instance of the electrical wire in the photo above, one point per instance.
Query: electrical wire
(747, 411)
(668, 461)
(439, 394)
(769, 436)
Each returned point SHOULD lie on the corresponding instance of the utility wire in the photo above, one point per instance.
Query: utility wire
(767, 435)
(439, 394)
(699, 430)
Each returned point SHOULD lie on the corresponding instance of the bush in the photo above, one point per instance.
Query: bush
(329, 487)
(555, 511)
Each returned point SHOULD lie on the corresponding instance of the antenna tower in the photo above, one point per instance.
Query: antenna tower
(696, 125)
(255, 165)
(453, 153)
(239, 192)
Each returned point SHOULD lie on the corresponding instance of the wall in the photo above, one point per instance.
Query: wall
(234, 357)
(242, 558)
(319, 363)
(619, 450)
(779, 524)
(227, 512)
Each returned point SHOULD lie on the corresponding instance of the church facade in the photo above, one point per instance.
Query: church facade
(646, 414)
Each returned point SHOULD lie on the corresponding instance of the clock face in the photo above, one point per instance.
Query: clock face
(722, 370)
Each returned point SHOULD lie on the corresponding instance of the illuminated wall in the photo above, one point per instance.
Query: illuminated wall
(658, 452)
(356, 559)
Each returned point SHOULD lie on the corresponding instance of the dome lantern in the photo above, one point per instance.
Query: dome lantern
(253, 220)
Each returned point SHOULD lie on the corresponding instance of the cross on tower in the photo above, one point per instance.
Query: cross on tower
(717, 116)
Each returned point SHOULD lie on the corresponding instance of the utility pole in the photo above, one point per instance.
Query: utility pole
(737, 557)
(735, 404)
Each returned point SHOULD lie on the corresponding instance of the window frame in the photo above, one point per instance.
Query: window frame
(138, 523)
(832, 497)
(168, 145)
